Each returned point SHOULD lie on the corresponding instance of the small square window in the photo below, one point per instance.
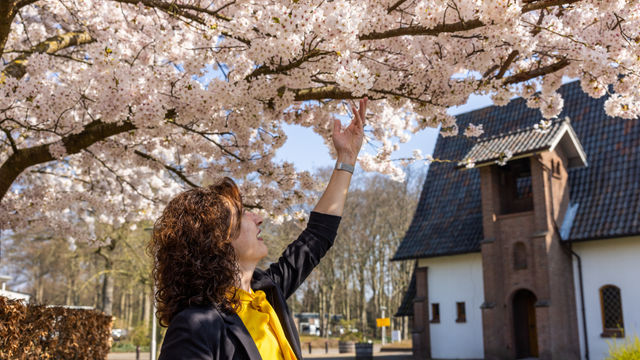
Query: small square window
(435, 313)
(462, 312)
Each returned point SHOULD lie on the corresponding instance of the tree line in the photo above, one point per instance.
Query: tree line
(357, 277)
(355, 280)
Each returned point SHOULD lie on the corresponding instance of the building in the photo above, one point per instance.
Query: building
(12, 295)
(534, 259)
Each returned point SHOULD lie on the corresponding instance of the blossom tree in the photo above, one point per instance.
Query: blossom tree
(103, 117)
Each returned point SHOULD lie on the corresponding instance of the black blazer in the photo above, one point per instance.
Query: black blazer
(204, 333)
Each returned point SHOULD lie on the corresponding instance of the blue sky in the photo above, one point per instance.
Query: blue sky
(306, 150)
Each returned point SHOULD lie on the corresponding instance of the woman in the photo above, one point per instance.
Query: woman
(215, 302)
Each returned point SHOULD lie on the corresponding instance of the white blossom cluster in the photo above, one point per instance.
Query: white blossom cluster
(134, 67)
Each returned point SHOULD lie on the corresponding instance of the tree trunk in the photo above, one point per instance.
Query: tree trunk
(129, 310)
(146, 314)
(363, 302)
(7, 13)
(323, 306)
(40, 291)
(121, 308)
(107, 291)
(69, 293)
(376, 298)
(332, 307)
(347, 304)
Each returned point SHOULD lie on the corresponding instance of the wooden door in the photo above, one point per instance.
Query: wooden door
(524, 324)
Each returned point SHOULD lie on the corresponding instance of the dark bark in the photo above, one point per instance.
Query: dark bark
(26, 157)
(107, 281)
(7, 13)
(107, 292)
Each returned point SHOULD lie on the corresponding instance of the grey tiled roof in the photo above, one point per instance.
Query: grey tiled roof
(448, 218)
(521, 142)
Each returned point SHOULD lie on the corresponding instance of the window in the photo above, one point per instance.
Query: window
(435, 313)
(519, 256)
(611, 305)
(515, 181)
(462, 312)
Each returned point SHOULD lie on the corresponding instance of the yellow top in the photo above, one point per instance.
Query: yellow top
(264, 326)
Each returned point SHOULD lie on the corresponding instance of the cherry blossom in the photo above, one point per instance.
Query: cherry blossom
(105, 116)
(503, 157)
(473, 130)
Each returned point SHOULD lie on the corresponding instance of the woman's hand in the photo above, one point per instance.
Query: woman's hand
(348, 142)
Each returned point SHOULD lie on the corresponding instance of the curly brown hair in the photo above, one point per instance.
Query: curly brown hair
(194, 262)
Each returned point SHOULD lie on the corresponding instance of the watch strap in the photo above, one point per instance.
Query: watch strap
(344, 166)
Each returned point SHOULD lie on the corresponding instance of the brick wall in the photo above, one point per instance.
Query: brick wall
(548, 272)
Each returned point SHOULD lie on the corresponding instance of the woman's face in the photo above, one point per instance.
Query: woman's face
(248, 245)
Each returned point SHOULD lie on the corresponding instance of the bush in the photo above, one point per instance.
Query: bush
(628, 350)
(351, 336)
(141, 336)
(41, 332)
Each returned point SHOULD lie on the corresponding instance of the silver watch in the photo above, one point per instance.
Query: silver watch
(345, 167)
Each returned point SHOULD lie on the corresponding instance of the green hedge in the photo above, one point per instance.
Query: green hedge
(41, 332)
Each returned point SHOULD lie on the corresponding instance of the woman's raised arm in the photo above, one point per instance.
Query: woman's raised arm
(347, 144)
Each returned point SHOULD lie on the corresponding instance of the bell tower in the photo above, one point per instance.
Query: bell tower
(529, 308)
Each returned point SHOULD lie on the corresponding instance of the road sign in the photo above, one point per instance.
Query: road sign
(382, 322)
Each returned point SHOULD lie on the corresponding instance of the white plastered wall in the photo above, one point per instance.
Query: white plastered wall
(455, 279)
(607, 262)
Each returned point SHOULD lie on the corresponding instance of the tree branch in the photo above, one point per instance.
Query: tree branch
(17, 67)
(13, 143)
(505, 66)
(421, 30)
(543, 4)
(24, 158)
(23, 3)
(544, 70)
(175, 171)
(181, 9)
(7, 14)
(119, 178)
(395, 6)
(320, 93)
(265, 70)
(172, 8)
(458, 26)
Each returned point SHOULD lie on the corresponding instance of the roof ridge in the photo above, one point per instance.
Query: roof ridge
(525, 129)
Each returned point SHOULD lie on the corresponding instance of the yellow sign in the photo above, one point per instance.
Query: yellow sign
(383, 322)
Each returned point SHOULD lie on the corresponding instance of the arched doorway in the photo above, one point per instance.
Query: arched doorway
(524, 324)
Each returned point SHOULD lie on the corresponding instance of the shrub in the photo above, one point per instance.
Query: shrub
(627, 350)
(41, 332)
(351, 336)
(140, 336)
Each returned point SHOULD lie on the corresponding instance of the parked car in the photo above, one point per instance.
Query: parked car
(118, 334)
